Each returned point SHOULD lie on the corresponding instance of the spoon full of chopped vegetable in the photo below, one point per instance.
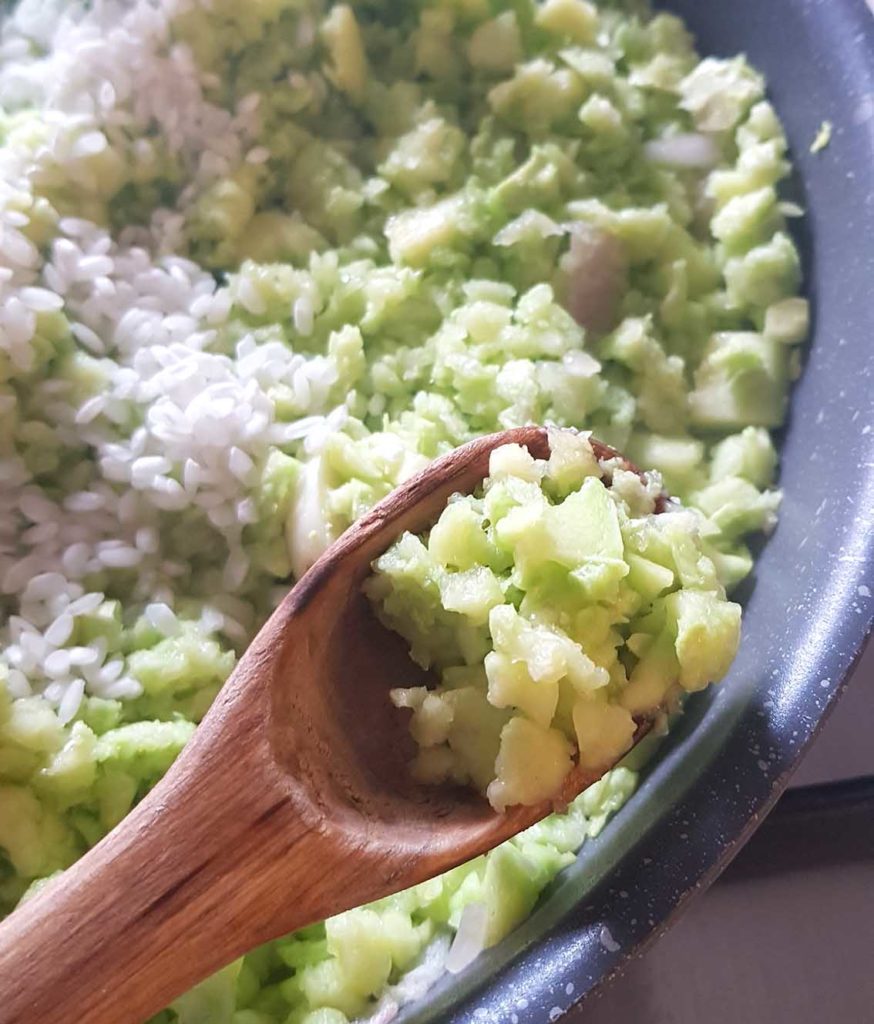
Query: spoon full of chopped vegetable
(560, 604)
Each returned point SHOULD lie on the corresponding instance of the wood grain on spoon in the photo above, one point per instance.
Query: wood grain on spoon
(292, 802)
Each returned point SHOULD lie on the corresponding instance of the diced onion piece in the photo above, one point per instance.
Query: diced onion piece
(306, 531)
(470, 939)
(690, 149)
(594, 267)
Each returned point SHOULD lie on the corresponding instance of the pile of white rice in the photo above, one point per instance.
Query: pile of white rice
(168, 424)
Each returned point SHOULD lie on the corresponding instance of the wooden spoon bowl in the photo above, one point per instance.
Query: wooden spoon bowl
(293, 801)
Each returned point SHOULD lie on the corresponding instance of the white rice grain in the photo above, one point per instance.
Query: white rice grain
(60, 630)
(161, 616)
(71, 700)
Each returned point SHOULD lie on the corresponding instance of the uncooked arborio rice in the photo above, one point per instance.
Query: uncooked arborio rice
(173, 426)
(260, 262)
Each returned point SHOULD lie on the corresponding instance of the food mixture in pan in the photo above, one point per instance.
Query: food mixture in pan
(564, 608)
(261, 261)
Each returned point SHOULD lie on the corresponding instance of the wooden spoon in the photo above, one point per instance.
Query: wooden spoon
(292, 802)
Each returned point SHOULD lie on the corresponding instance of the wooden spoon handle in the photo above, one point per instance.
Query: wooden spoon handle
(156, 906)
(196, 875)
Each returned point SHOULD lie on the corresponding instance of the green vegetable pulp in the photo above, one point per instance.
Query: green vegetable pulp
(560, 609)
(431, 167)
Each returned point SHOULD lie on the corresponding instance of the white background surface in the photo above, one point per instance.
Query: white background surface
(796, 948)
